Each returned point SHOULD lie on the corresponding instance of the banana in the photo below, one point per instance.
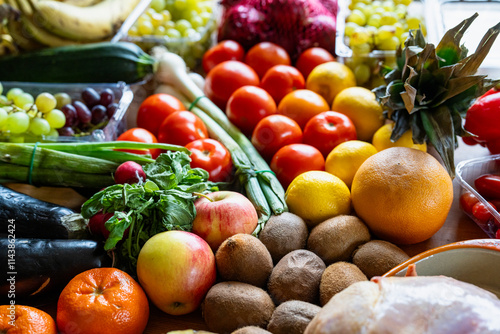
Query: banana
(43, 36)
(20, 36)
(93, 23)
(81, 3)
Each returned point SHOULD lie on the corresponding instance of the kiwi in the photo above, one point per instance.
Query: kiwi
(377, 257)
(296, 277)
(292, 317)
(244, 258)
(284, 233)
(231, 305)
(336, 238)
(337, 277)
(251, 330)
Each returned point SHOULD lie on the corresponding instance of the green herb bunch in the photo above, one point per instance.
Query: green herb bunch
(432, 87)
(164, 202)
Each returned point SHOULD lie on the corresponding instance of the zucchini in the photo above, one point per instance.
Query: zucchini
(40, 266)
(29, 217)
(102, 62)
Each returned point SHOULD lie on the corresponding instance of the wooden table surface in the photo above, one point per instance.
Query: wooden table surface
(457, 227)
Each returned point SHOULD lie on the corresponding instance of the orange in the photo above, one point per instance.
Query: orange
(102, 301)
(402, 194)
(301, 105)
(20, 319)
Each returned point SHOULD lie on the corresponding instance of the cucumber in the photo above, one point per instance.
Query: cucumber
(102, 62)
(29, 217)
(40, 266)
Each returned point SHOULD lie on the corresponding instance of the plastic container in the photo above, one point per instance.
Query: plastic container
(115, 126)
(469, 170)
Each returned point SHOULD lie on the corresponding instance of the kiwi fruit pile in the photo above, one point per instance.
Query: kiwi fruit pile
(277, 282)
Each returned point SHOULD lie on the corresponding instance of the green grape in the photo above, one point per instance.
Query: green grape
(372, 31)
(62, 99)
(3, 116)
(404, 2)
(31, 108)
(167, 16)
(403, 37)
(156, 20)
(359, 36)
(399, 29)
(196, 22)
(206, 17)
(169, 25)
(39, 126)
(4, 100)
(53, 133)
(362, 73)
(180, 4)
(182, 25)
(158, 5)
(149, 12)
(143, 18)
(385, 32)
(133, 31)
(145, 28)
(45, 102)
(13, 92)
(375, 20)
(56, 118)
(173, 33)
(1, 88)
(413, 22)
(388, 5)
(378, 10)
(350, 27)
(160, 31)
(389, 18)
(361, 49)
(357, 17)
(17, 122)
(389, 44)
(23, 99)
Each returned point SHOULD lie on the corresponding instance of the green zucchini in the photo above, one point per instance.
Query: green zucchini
(102, 62)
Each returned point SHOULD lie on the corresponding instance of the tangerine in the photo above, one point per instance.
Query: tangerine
(301, 105)
(20, 319)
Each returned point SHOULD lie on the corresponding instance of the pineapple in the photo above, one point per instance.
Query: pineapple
(432, 87)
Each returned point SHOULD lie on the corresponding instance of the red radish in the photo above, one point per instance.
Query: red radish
(129, 172)
(96, 224)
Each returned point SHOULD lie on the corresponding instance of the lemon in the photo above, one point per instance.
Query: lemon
(382, 139)
(361, 106)
(344, 160)
(316, 196)
(329, 78)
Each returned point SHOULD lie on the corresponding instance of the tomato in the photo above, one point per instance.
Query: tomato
(311, 58)
(142, 136)
(181, 128)
(213, 157)
(280, 80)
(295, 159)
(154, 109)
(225, 78)
(273, 132)
(481, 212)
(494, 146)
(264, 55)
(224, 50)
(488, 186)
(483, 117)
(247, 106)
(328, 129)
(467, 201)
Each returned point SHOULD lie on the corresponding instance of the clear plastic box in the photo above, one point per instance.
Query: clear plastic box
(115, 126)
(469, 170)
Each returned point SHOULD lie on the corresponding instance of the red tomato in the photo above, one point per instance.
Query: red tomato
(224, 50)
(295, 159)
(213, 157)
(494, 146)
(280, 80)
(225, 78)
(481, 212)
(467, 201)
(154, 109)
(488, 186)
(311, 58)
(142, 136)
(273, 132)
(328, 129)
(247, 106)
(181, 128)
(264, 55)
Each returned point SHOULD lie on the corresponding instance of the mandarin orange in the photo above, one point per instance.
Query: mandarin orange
(20, 319)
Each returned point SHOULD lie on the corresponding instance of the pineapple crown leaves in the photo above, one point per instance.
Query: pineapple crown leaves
(432, 88)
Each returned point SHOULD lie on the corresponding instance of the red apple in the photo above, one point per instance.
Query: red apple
(176, 269)
(222, 214)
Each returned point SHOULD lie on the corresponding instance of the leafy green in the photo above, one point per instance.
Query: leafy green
(164, 202)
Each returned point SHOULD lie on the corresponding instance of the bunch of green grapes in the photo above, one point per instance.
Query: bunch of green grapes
(377, 25)
(22, 114)
(174, 19)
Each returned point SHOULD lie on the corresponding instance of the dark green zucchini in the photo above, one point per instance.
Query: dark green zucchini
(29, 217)
(86, 63)
(40, 266)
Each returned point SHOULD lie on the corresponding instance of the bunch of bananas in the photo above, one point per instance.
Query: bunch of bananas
(34, 24)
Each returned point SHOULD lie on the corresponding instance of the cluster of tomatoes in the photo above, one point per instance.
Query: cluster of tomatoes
(488, 186)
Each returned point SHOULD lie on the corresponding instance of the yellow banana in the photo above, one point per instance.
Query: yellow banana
(81, 3)
(16, 29)
(92, 23)
(43, 36)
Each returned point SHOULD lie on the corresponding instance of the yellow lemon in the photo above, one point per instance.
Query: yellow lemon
(316, 196)
(361, 106)
(329, 79)
(344, 160)
(382, 139)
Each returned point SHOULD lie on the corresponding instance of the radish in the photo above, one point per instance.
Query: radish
(129, 172)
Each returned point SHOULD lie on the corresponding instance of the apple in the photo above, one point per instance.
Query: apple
(176, 269)
(221, 214)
